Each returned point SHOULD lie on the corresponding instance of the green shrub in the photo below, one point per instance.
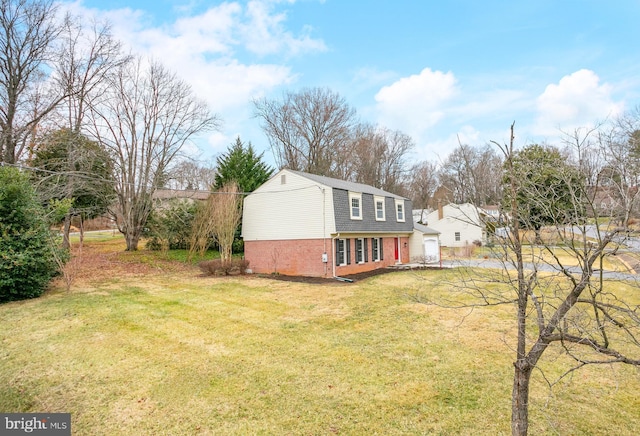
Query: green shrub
(169, 227)
(27, 261)
(238, 246)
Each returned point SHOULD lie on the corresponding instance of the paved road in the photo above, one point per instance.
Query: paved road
(631, 242)
(497, 264)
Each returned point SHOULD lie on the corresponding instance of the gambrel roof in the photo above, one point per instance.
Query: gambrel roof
(347, 186)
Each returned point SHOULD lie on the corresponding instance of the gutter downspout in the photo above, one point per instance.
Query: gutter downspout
(324, 228)
(333, 247)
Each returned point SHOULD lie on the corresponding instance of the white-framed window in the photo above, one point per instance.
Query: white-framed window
(359, 251)
(362, 254)
(380, 212)
(376, 249)
(457, 236)
(355, 205)
(400, 211)
(341, 252)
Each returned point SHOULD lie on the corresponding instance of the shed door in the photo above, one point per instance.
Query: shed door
(431, 250)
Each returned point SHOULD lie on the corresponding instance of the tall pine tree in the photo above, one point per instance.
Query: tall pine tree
(242, 165)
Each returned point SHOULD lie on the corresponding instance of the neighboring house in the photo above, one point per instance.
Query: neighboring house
(424, 244)
(459, 225)
(611, 201)
(304, 224)
(171, 194)
(420, 215)
(492, 212)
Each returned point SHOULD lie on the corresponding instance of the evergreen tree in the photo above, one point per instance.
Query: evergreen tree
(77, 169)
(242, 165)
(27, 260)
(549, 191)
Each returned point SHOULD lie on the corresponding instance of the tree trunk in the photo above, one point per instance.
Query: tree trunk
(520, 399)
(66, 232)
(81, 230)
(132, 238)
(538, 240)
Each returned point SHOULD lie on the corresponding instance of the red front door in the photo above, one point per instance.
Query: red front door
(396, 243)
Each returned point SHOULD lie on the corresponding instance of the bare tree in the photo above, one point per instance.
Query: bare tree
(473, 175)
(619, 175)
(378, 157)
(219, 218)
(393, 163)
(308, 131)
(563, 299)
(143, 118)
(85, 58)
(28, 32)
(583, 149)
(227, 212)
(423, 184)
(192, 174)
(88, 55)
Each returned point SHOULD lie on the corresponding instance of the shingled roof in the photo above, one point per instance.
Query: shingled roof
(347, 186)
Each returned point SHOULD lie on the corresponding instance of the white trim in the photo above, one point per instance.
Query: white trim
(362, 254)
(401, 204)
(355, 196)
(375, 254)
(343, 252)
(376, 200)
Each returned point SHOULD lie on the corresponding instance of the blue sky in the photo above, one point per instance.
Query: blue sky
(440, 71)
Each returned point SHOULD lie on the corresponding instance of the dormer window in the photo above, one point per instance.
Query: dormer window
(355, 205)
(399, 210)
(380, 212)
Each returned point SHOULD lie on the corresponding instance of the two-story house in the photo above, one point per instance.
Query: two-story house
(304, 224)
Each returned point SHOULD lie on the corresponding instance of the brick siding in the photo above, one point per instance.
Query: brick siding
(303, 257)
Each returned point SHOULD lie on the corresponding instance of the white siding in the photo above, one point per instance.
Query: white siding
(298, 209)
(457, 218)
(417, 251)
(416, 246)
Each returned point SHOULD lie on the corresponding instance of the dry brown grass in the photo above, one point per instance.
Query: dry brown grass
(143, 345)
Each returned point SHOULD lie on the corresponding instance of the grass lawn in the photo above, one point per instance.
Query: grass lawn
(142, 345)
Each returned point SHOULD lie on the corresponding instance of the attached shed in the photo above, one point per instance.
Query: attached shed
(424, 244)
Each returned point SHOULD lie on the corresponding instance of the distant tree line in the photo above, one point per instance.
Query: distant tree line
(102, 130)
(315, 130)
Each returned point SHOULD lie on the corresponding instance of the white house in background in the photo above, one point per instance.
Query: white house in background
(420, 215)
(424, 244)
(459, 224)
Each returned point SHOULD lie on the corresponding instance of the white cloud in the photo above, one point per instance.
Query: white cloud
(578, 100)
(416, 103)
(263, 33)
(437, 149)
(214, 52)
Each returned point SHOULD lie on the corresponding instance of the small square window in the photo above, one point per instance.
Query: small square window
(457, 236)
